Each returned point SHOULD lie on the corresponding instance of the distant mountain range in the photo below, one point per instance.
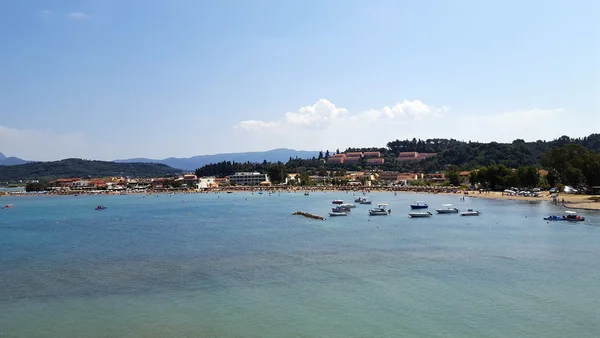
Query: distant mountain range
(193, 163)
(11, 160)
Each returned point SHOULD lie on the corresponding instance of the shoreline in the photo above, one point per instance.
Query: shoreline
(581, 202)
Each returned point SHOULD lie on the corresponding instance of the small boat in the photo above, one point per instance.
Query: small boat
(338, 213)
(569, 216)
(337, 202)
(306, 193)
(447, 209)
(8, 206)
(348, 205)
(381, 210)
(341, 208)
(100, 207)
(420, 214)
(362, 200)
(419, 205)
(470, 212)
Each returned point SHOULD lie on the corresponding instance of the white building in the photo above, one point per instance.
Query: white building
(248, 178)
(206, 182)
(80, 184)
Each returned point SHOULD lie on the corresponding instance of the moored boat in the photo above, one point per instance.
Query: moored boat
(569, 216)
(100, 207)
(420, 214)
(340, 208)
(337, 202)
(447, 209)
(419, 205)
(381, 210)
(470, 212)
(338, 213)
(362, 200)
(348, 205)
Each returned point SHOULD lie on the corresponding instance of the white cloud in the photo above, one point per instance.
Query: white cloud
(78, 16)
(324, 125)
(323, 114)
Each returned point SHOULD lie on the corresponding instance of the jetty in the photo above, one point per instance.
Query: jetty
(307, 215)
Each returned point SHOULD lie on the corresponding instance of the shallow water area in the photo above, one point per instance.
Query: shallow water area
(240, 265)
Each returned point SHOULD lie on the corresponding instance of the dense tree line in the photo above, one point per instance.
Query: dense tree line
(572, 164)
(498, 177)
(82, 168)
(469, 155)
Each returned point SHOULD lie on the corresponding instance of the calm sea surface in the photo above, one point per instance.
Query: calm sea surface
(239, 265)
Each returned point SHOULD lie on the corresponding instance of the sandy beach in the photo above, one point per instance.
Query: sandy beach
(586, 202)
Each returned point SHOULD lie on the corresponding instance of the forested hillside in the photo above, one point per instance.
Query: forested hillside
(82, 168)
(460, 154)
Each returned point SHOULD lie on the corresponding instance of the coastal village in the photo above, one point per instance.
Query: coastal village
(189, 181)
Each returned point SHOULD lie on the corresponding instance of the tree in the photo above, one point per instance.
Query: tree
(572, 164)
(305, 179)
(35, 187)
(320, 155)
(327, 154)
(528, 176)
(453, 175)
(277, 173)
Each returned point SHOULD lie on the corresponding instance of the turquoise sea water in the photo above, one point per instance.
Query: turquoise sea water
(239, 265)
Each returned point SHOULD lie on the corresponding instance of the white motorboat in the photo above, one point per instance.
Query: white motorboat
(338, 213)
(347, 205)
(447, 209)
(420, 214)
(470, 212)
(381, 210)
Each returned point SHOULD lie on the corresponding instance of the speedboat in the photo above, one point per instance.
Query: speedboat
(447, 209)
(340, 208)
(419, 205)
(100, 207)
(337, 202)
(470, 212)
(420, 214)
(338, 213)
(362, 200)
(381, 210)
(348, 205)
(569, 216)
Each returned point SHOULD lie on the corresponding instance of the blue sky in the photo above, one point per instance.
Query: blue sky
(108, 79)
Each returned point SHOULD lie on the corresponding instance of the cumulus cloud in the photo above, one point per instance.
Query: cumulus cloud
(78, 16)
(324, 125)
(324, 114)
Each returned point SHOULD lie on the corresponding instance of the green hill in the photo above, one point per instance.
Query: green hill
(82, 168)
